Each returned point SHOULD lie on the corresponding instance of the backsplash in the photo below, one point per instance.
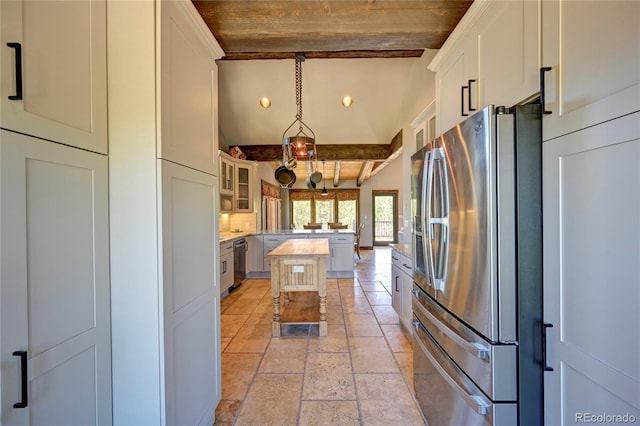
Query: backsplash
(241, 221)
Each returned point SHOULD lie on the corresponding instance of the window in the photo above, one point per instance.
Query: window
(300, 213)
(340, 205)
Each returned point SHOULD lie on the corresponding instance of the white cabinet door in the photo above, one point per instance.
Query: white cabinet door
(591, 237)
(396, 288)
(64, 71)
(457, 85)
(508, 61)
(54, 282)
(593, 50)
(341, 257)
(244, 188)
(191, 293)
(189, 91)
(406, 314)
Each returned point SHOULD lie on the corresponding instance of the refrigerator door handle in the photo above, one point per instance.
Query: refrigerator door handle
(476, 349)
(475, 401)
(440, 273)
(427, 183)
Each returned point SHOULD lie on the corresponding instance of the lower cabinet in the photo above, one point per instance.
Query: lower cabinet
(591, 215)
(401, 286)
(54, 284)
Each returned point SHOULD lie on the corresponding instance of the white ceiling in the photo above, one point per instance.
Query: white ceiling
(387, 93)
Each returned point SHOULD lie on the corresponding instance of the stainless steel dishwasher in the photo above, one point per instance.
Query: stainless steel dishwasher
(240, 249)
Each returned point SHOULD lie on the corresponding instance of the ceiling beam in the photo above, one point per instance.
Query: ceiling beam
(336, 174)
(314, 26)
(365, 172)
(325, 152)
(343, 54)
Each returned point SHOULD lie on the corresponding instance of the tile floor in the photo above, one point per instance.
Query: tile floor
(360, 374)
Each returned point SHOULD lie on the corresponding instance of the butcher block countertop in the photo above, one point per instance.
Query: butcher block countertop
(302, 248)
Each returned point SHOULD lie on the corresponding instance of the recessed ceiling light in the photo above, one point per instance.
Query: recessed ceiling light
(347, 101)
(265, 102)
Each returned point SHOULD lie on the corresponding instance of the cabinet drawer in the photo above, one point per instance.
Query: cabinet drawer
(341, 239)
(405, 264)
(395, 258)
(226, 248)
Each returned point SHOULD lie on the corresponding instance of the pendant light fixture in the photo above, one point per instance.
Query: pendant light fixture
(300, 146)
(324, 186)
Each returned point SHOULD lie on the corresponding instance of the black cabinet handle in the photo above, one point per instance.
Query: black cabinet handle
(18, 95)
(24, 379)
(462, 101)
(545, 326)
(397, 283)
(470, 81)
(542, 89)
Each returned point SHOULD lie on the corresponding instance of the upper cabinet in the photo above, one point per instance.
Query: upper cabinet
(592, 53)
(188, 91)
(491, 57)
(54, 71)
(237, 182)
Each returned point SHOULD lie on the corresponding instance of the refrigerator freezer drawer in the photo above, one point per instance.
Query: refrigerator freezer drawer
(492, 367)
(447, 397)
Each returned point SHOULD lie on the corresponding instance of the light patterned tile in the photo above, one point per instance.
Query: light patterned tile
(378, 297)
(385, 314)
(269, 401)
(334, 413)
(237, 373)
(328, 376)
(362, 325)
(377, 408)
(335, 341)
(371, 355)
(230, 324)
(284, 355)
(397, 338)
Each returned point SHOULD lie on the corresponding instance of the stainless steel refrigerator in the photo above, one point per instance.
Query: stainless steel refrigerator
(477, 294)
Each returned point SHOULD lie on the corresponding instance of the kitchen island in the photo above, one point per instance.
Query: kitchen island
(300, 265)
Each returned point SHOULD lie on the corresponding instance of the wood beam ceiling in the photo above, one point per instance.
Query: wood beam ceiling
(325, 152)
(365, 172)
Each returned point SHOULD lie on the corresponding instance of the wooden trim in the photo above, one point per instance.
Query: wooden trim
(345, 152)
(346, 54)
(336, 173)
(365, 172)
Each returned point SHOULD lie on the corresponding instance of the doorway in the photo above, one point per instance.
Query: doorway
(385, 217)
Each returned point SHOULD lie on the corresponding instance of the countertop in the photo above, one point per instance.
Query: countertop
(303, 248)
(403, 249)
(229, 236)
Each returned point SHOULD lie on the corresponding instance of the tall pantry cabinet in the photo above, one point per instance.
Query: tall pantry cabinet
(163, 213)
(591, 210)
(54, 238)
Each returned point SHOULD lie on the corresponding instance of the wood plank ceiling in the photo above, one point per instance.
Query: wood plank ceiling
(275, 29)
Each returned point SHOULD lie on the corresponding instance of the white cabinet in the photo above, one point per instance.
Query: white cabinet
(341, 248)
(226, 183)
(54, 283)
(191, 294)
(244, 186)
(226, 266)
(63, 71)
(163, 217)
(189, 83)
(591, 240)
(401, 286)
(593, 50)
(490, 58)
(237, 180)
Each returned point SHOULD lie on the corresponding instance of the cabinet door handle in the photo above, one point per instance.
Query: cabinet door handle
(224, 266)
(397, 282)
(462, 113)
(18, 48)
(470, 109)
(542, 90)
(24, 380)
(545, 326)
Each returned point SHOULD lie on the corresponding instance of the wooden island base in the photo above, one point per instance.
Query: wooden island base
(299, 265)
